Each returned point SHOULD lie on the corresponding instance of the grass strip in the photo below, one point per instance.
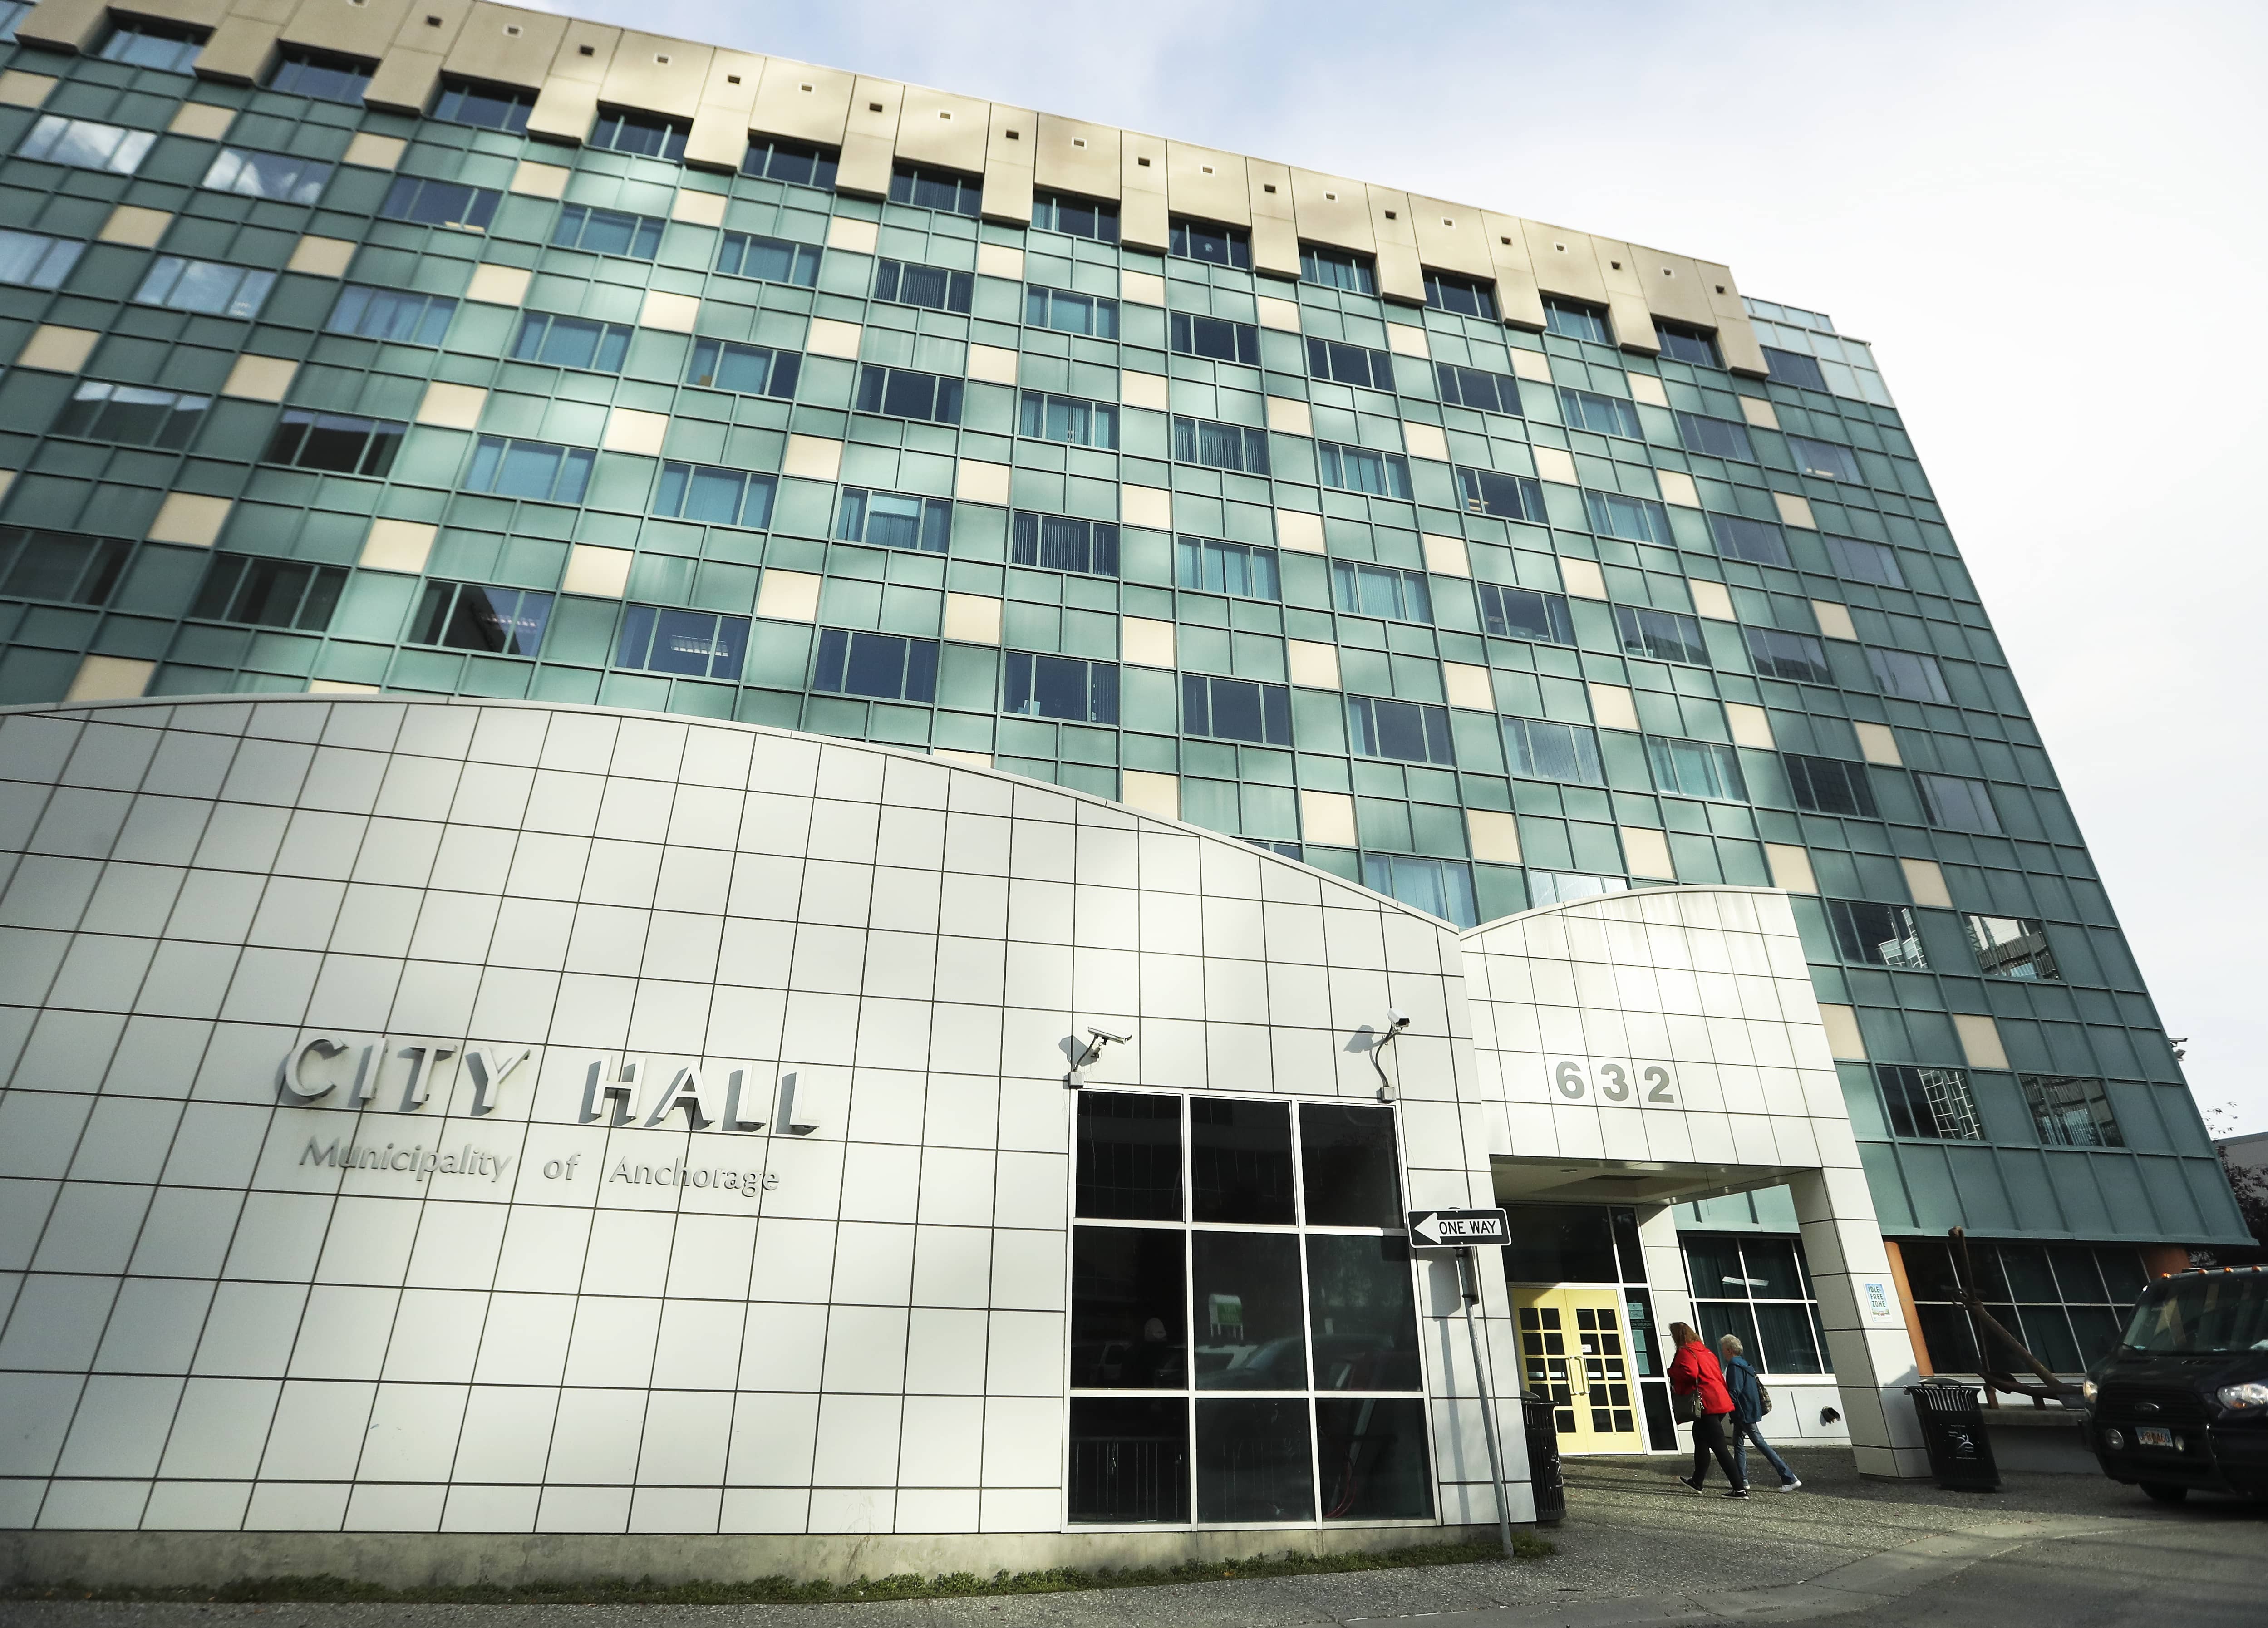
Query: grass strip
(323, 1587)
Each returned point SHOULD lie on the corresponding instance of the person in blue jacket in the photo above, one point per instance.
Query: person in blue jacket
(1747, 1412)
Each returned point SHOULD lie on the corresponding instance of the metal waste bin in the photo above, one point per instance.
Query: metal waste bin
(1543, 1459)
(1953, 1429)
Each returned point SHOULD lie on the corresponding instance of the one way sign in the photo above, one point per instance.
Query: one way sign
(1453, 1229)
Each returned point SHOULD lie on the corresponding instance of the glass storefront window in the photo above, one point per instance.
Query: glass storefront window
(1278, 1272)
(2067, 1301)
(1755, 1288)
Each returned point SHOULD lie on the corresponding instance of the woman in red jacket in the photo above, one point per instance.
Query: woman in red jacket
(1693, 1371)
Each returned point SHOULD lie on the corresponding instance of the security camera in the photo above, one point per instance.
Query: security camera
(1104, 1034)
(1396, 1019)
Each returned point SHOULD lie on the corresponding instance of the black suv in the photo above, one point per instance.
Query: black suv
(2182, 1401)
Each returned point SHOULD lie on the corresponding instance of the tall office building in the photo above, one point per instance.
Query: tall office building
(420, 351)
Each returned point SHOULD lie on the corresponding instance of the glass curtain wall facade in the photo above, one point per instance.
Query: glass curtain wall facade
(313, 392)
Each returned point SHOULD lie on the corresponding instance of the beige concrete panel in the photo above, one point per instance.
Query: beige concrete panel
(1736, 337)
(64, 24)
(1275, 224)
(1612, 707)
(1326, 817)
(1647, 852)
(1287, 417)
(1408, 339)
(1076, 157)
(321, 257)
(1759, 412)
(1400, 275)
(353, 27)
(599, 573)
(653, 73)
(802, 103)
(1794, 509)
(1582, 578)
(1674, 286)
(696, 208)
(57, 350)
(1494, 835)
(339, 687)
(946, 131)
(1140, 288)
(1208, 184)
(1333, 211)
(1150, 390)
(1300, 531)
(1844, 1040)
(829, 337)
(630, 430)
(972, 619)
(992, 364)
(1283, 316)
(859, 237)
(1145, 643)
(998, 259)
(135, 226)
(1011, 152)
(1980, 1040)
(406, 79)
(1833, 620)
(498, 286)
(1710, 600)
(261, 378)
(1555, 465)
(1533, 366)
(1468, 685)
(981, 483)
(20, 89)
(190, 518)
(453, 406)
(1647, 387)
(1926, 882)
(812, 457)
(505, 45)
(1518, 298)
(788, 596)
(1675, 486)
(541, 181)
(203, 121)
(1451, 237)
(1791, 867)
(1878, 743)
(7, 480)
(239, 50)
(567, 103)
(870, 137)
(1312, 665)
(398, 545)
(1750, 726)
(1151, 793)
(719, 139)
(1564, 263)
(973, 760)
(373, 151)
(1446, 556)
(1142, 208)
(109, 678)
(1627, 307)
(1150, 506)
(1425, 441)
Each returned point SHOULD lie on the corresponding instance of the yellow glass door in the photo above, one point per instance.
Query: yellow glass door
(1574, 1350)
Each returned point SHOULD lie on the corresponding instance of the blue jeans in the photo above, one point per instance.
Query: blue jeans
(1742, 1434)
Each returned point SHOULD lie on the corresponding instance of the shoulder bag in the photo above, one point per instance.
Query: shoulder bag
(1687, 1406)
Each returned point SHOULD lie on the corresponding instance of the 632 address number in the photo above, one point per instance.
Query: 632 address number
(1612, 1080)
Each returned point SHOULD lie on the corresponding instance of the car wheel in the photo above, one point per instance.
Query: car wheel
(2160, 1493)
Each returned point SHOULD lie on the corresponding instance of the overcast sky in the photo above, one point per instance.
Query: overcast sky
(2048, 219)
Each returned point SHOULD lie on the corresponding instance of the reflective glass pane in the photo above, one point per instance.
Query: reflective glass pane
(1372, 1457)
(1253, 1462)
(1129, 1156)
(1241, 1161)
(1347, 1162)
(1787, 1343)
(1130, 1460)
(1362, 1314)
(1247, 1329)
(1128, 1312)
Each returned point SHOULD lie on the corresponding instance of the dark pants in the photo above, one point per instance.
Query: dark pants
(1709, 1437)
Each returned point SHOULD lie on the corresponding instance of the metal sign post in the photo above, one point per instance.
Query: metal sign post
(1459, 1230)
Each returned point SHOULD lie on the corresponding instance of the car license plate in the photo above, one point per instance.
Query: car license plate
(2153, 1436)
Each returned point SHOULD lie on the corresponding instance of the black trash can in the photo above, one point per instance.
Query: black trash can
(1953, 1429)
(1543, 1460)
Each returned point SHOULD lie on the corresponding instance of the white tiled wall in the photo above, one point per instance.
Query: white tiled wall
(205, 1329)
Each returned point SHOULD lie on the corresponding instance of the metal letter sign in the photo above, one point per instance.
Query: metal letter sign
(1453, 1229)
